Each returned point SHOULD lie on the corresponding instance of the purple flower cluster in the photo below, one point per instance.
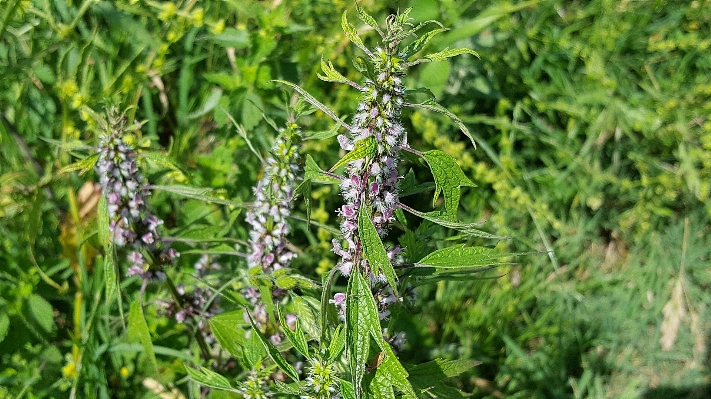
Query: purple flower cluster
(274, 192)
(373, 182)
(197, 306)
(131, 224)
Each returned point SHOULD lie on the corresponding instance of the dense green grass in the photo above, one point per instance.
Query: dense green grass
(594, 151)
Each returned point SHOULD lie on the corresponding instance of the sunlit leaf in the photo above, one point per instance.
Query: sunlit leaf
(374, 249)
(448, 177)
(363, 148)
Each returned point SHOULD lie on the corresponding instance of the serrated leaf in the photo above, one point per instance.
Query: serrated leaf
(346, 389)
(84, 165)
(293, 281)
(138, 331)
(110, 276)
(316, 103)
(414, 47)
(296, 337)
(365, 17)
(374, 249)
(432, 105)
(314, 173)
(358, 328)
(225, 328)
(337, 344)
(352, 34)
(274, 353)
(331, 74)
(200, 194)
(209, 378)
(448, 177)
(363, 148)
(307, 309)
(448, 53)
(459, 256)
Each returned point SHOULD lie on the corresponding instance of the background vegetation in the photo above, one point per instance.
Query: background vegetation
(594, 148)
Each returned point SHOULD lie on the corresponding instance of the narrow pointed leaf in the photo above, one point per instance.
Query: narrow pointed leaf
(314, 173)
(316, 103)
(414, 47)
(460, 256)
(448, 53)
(431, 105)
(297, 337)
(374, 249)
(200, 194)
(274, 353)
(363, 148)
(337, 345)
(288, 389)
(358, 328)
(365, 17)
(209, 378)
(84, 165)
(470, 229)
(331, 74)
(448, 177)
(138, 331)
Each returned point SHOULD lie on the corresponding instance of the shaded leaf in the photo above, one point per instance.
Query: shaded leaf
(274, 353)
(197, 193)
(209, 378)
(374, 250)
(138, 331)
(83, 165)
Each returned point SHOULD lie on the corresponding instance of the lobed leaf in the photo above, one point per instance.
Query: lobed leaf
(448, 177)
(331, 74)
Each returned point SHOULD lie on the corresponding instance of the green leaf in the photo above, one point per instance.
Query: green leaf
(293, 281)
(469, 229)
(110, 276)
(363, 16)
(138, 331)
(432, 105)
(460, 256)
(197, 193)
(288, 389)
(41, 312)
(225, 327)
(374, 249)
(337, 344)
(448, 53)
(274, 353)
(210, 103)
(352, 34)
(209, 378)
(322, 135)
(297, 337)
(414, 47)
(363, 148)
(331, 74)
(430, 376)
(231, 37)
(4, 325)
(84, 165)
(309, 315)
(253, 351)
(347, 389)
(358, 327)
(314, 173)
(316, 103)
(448, 178)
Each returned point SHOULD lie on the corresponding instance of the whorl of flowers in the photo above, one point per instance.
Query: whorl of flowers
(131, 224)
(272, 207)
(322, 380)
(373, 182)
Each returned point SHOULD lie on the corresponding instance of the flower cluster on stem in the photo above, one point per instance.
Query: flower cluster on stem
(269, 213)
(131, 224)
(372, 182)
